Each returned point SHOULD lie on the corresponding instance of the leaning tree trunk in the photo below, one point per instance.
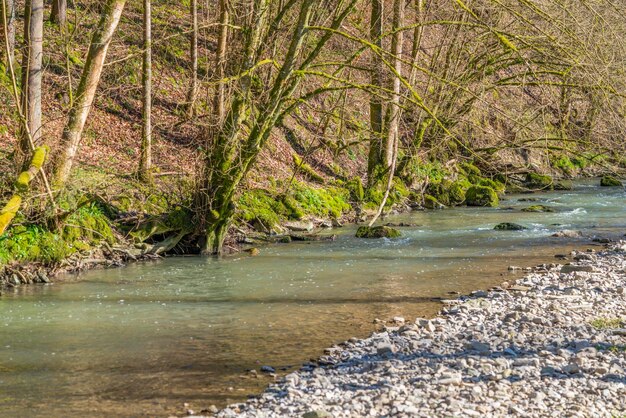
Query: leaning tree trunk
(233, 165)
(86, 91)
(59, 13)
(31, 79)
(376, 159)
(22, 185)
(145, 164)
(193, 86)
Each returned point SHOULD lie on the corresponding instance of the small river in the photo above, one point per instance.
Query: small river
(145, 339)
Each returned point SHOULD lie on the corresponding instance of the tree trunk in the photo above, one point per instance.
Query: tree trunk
(193, 87)
(376, 155)
(7, 22)
(86, 91)
(31, 78)
(220, 63)
(393, 112)
(59, 13)
(226, 165)
(22, 185)
(145, 165)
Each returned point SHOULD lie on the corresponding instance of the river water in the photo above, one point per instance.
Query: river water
(145, 339)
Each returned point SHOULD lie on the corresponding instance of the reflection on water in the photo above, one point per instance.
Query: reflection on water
(147, 338)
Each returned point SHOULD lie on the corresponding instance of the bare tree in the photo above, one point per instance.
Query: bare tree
(32, 61)
(145, 163)
(86, 91)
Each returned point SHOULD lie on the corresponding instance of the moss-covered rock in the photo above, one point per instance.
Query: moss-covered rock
(430, 202)
(495, 185)
(538, 181)
(377, 232)
(471, 171)
(538, 208)
(457, 191)
(509, 226)
(481, 196)
(610, 181)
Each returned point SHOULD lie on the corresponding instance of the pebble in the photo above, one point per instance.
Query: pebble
(525, 350)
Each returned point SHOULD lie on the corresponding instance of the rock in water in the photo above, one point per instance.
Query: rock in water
(538, 208)
(610, 181)
(377, 232)
(268, 369)
(567, 233)
(508, 226)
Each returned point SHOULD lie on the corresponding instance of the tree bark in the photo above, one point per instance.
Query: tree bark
(393, 112)
(86, 91)
(220, 63)
(193, 87)
(59, 13)
(7, 16)
(31, 78)
(376, 155)
(145, 164)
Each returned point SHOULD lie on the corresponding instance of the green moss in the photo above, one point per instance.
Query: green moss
(610, 181)
(294, 211)
(495, 185)
(457, 191)
(430, 202)
(538, 181)
(355, 186)
(470, 170)
(89, 225)
(481, 196)
(538, 208)
(306, 169)
(580, 162)
(332, 201)
(398, 193)
(563, 163)
(377, 232)
(33, 243)
(39, 157)
(259, 205)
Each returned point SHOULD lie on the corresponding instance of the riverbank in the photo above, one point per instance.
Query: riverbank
(554, 343)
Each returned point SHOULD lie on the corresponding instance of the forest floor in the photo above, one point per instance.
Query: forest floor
(551, 344)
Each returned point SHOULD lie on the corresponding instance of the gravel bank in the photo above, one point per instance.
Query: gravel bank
(554, 344)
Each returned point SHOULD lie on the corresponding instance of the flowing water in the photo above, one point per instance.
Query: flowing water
(145, 339)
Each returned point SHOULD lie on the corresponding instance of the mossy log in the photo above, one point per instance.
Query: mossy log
(22, 185)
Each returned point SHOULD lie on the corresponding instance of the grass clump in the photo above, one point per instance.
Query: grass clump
(607, 323)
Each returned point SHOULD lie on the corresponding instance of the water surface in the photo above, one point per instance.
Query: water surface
(145, 339)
